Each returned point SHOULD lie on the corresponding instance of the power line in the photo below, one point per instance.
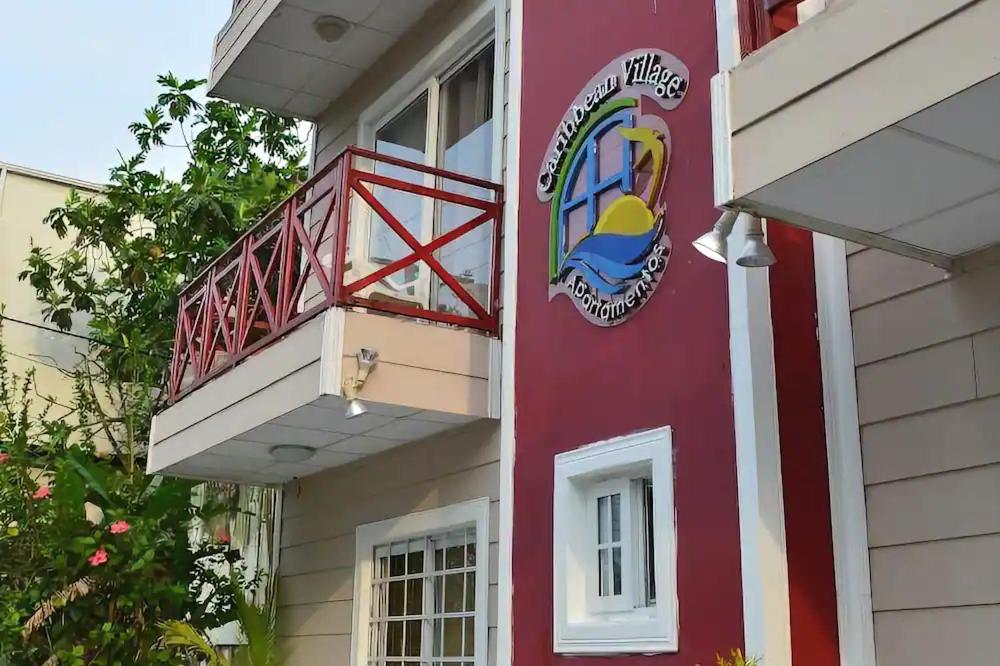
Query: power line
(77, 336)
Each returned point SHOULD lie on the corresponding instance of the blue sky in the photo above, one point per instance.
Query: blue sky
(75, 73)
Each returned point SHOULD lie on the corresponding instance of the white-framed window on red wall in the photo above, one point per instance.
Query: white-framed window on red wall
(421, 589)
(614, 551)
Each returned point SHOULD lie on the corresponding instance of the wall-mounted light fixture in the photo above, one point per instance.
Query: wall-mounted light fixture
(715, 243)
(367, 362)
(756, 253)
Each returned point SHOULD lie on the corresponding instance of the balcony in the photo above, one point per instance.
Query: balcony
(373, 252)
(873, 120)
(280, 55)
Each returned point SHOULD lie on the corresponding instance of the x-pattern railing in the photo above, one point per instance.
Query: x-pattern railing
(294, 264)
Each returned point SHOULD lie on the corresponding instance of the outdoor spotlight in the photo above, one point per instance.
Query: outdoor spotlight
(291, 453)
(367, 362)
(713, 244)
(756, 253)
(331, 28)
(355, 408)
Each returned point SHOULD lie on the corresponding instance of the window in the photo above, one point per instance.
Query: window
(447, 122)
(421, 589)
(614, 552)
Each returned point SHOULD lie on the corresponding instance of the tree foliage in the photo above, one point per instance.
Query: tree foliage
(95, 553)
(133, 248)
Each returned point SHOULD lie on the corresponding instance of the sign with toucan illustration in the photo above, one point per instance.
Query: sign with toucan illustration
(604, 173)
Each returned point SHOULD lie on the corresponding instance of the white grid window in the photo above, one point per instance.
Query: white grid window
(423, 608)
(421, 589)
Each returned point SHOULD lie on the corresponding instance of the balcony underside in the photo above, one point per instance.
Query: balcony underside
(269, 54)
(430, 379)
(875, 121)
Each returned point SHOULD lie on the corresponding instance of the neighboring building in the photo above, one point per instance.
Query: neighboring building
(26, 197)
(628, 450)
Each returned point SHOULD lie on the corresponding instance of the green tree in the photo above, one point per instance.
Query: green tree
(90, 587)
(134, 248)
(94, 552)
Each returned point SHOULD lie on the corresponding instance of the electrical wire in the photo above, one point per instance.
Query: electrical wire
(50, 329)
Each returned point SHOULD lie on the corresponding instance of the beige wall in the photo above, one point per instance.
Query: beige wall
(26, 197)
(927, 349)
(321, 513)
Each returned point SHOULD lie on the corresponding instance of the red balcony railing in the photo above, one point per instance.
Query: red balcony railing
(764, 20)
(367, 230)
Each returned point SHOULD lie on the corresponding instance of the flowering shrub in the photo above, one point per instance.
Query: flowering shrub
(93, 590)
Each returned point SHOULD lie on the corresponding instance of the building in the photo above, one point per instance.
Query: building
(519, 419)
(26, 197)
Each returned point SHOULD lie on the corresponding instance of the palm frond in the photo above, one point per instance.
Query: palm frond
(48, 607)
(260, 633)
(182, 635)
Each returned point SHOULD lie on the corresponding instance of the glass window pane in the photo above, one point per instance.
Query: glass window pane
(602, 519)
(650, 559)
(453, 637)
(470, 637)
(397, 560)
(616, 517)
(397, 594)
(405, 137)
(414, 636)
(616, 569)
(414, 596)
(603, 572)
(415, 561)
(455, 557)
(466, 144)
(470, 591)
(470, 551)
(453, 593)
(394, 639)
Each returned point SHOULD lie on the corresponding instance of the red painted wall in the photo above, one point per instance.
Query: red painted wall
(812, 587)
(577, 383)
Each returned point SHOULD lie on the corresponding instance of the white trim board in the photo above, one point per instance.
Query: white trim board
(505, 585)
(764, 561)
(848, 516)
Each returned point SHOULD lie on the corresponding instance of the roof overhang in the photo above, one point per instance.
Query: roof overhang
(269, 54)
(876, 121)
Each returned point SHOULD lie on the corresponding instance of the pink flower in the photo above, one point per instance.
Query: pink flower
(98, 558)
(42, 493)
(4, 457)
(119, 527)
(222, 536)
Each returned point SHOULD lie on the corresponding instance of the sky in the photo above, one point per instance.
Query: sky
(75, 73)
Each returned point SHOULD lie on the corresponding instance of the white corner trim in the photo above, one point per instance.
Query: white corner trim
(471, 513)
(722, 148)
(505, 584)
(843, 440)
(332, 352)
(766, 607)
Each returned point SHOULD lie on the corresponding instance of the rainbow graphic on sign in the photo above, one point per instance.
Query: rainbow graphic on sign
(605, 176)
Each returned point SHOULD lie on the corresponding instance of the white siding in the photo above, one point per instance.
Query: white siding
(927, 348)
(321, 513)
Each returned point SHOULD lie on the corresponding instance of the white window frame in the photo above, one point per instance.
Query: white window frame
(474, 513)
(462, 44)
(580, 625)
